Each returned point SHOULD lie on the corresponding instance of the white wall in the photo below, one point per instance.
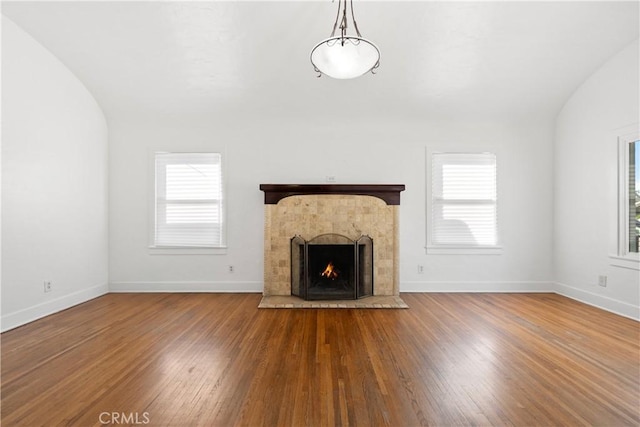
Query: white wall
(54, 184)
(586, 186)
(383, 150)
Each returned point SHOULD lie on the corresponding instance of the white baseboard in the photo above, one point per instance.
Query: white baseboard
(187, 287)
(24, 316)
(488, 286)
(609, 304)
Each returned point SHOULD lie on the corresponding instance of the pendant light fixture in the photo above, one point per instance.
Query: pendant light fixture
(344, 56)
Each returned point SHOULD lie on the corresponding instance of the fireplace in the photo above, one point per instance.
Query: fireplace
(351, 211)
(331, 267)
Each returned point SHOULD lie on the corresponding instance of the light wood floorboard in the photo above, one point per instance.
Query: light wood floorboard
(218, 360)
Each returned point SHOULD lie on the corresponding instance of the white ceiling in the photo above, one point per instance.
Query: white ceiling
(459, 59)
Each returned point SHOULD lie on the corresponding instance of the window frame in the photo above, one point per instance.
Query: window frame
(155, 249)
(624, 258)
(457, 249)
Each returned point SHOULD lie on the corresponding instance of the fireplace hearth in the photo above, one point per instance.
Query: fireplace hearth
(331, 267)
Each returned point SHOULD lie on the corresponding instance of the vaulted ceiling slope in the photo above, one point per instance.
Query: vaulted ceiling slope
(458, 59)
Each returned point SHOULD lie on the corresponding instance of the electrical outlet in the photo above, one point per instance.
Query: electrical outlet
(47, 285)
(602, 281)
(330, 178)
(231, 269)
(420, 269)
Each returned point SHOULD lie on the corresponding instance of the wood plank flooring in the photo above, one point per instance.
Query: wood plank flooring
(218, 360)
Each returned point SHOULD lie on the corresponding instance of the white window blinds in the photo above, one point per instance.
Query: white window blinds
(464, 197)
(189, 200)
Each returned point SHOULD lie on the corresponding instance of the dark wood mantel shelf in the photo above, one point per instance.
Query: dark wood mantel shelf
(390, 193)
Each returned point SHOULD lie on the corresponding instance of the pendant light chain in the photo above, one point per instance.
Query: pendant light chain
(342, 5)
(343, 25)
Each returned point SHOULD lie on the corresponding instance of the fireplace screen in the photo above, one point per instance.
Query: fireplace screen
(331, 267)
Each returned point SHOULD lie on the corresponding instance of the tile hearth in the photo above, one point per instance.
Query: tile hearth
(286, 301)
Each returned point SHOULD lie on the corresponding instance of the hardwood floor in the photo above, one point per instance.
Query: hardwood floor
(218, 360)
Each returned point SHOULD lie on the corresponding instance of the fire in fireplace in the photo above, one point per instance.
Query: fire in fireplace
(330, 272)
(331, 267)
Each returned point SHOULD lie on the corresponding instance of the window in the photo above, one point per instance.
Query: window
(629, 200)
(189, 200)
(463, 202)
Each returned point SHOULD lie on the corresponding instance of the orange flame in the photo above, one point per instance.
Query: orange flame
(330, 272)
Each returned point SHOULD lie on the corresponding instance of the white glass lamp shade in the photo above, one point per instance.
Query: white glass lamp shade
(345, 57)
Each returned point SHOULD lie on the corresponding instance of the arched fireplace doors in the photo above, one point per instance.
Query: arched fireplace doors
(331, 267)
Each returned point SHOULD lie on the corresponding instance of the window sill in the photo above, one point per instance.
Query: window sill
(629, 261)
(464, 250)
(167, 250)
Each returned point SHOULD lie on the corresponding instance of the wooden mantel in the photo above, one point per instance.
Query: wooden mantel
(390, 193)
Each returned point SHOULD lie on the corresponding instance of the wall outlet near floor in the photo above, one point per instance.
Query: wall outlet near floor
(420, 269)
(47, 285)
(231, 269)
(602, 281)
(330, 178)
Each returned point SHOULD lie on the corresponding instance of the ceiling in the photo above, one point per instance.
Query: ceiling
(250, 59)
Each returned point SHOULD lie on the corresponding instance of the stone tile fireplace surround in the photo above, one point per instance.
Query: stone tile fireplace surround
(349, 210)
